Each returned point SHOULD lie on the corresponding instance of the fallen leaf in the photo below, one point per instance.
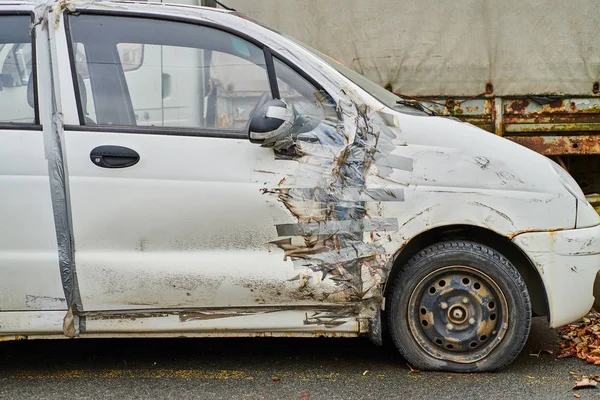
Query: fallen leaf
(577, 395)
(364, 373)
(276, 379)
(582, 339)
(530, 377)
(305, 396)
(539, 353)
(413, 370)
(585, 383)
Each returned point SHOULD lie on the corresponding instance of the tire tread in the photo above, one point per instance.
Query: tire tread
(467, 246)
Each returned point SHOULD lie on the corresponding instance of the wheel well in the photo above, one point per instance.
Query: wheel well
(501, 244)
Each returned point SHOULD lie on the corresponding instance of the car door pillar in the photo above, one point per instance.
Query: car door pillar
(50, 34)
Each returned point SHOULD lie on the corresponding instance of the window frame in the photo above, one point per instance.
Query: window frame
(36, 124)
(173, 131)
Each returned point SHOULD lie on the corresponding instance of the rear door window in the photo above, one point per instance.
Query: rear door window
(17, 80)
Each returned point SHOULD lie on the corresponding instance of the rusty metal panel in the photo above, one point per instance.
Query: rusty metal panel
(594, 200)
(548, 125)
(547, 115)
(560, 145)
(476, 111)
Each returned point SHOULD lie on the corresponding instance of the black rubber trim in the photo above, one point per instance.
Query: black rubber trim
(36, 100)
(74, 78)
(271, 72)
(147, 15)
(151, 130)
(19, 127)
(17, 12)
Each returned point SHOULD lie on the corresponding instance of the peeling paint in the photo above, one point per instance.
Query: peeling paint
(44, 302)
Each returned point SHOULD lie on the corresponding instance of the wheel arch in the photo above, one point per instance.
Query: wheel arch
(503, 245)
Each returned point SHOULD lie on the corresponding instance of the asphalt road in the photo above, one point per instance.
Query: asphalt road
(245, 369)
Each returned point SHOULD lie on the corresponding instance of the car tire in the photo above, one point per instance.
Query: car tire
(459, 306)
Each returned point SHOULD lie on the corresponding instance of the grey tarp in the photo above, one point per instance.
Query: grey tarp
(450, 47)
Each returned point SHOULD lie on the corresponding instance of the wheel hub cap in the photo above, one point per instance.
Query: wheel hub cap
(458, 314)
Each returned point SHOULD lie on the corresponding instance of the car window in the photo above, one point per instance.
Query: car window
(298, 92)
(84, 84)
(154, 73)
(17, 97)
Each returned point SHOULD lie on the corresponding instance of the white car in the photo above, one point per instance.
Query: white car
(183, 171)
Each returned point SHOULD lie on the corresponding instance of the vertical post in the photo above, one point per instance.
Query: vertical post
(498, 116)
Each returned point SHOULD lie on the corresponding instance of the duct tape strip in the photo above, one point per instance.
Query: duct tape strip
(344, 255)
(334, 227)
(346, 194)
(394, 161)
(55, 154)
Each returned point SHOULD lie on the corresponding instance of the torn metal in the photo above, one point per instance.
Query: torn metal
(337, 217)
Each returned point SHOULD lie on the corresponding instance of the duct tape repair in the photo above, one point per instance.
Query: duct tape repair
(339, 230)
(47, 19)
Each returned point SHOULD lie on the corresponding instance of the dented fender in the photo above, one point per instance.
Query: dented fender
(568, 262)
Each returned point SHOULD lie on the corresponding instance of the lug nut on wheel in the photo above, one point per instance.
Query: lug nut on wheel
(444, 306)
(465, 300)
(471, 321)
(449, 327)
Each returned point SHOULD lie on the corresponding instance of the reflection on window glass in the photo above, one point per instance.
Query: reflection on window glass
(188, 87)
(84, 84)
(296, 91)
(167, 74)
(131, 55)
(17, 100)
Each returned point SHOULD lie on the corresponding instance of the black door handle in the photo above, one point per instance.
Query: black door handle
(114, 157)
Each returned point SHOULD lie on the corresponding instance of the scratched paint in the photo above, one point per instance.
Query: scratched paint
(352, 143)
(346, 186)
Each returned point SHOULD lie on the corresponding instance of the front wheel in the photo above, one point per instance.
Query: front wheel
(459, 306)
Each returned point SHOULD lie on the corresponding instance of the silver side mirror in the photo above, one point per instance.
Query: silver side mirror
(269, 119)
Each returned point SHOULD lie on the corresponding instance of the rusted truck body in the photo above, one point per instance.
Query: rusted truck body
(526, 70)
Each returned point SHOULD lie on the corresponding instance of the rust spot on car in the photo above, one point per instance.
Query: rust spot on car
(518, 106)
(14, 337)
(517, 233)
(558, 103)
(132, 316)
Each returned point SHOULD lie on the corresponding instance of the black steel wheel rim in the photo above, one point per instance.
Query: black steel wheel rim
(458, 313)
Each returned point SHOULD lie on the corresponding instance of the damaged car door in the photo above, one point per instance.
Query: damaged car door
(165, 186)
(29, 272)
